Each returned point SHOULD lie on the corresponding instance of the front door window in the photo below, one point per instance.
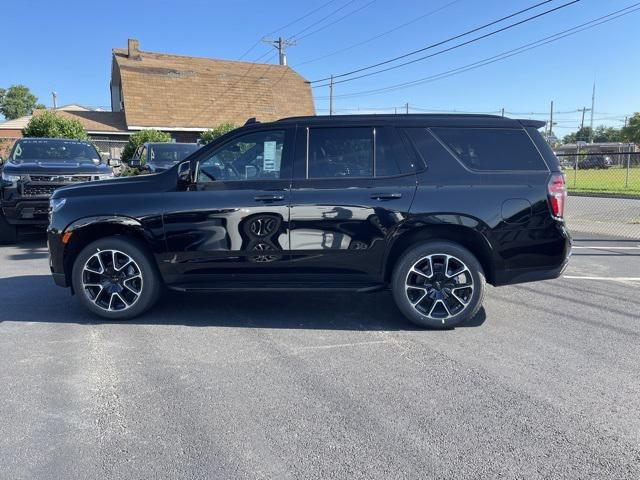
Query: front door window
(255, 156)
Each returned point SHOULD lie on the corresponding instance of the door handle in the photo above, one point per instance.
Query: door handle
(269, 198)
(385, 196)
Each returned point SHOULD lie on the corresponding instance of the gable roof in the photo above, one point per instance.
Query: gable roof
(94, 121)
(178, 92)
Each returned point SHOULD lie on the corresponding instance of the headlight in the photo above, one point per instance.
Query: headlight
(57, 203)
(10, 178)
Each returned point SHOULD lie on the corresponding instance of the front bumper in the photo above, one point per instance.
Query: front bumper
(56, 257)
(27, 211)
(60, 279)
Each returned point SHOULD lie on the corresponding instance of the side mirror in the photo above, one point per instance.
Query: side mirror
(114, 162)
(184, 173)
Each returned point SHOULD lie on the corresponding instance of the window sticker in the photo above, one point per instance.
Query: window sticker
(269, 157)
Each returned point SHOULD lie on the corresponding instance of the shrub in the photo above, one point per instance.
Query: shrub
(211, 135)
(141, 137)
(50, 124)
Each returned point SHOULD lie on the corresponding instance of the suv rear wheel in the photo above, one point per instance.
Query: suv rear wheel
(115, 278)
(438, 284)
(8, 232)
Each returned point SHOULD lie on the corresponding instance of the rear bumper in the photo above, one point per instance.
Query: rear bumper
(524, 275)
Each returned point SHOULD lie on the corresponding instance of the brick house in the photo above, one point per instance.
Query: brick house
(186, 95)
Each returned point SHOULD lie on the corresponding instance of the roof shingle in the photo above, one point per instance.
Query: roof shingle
(172, 91)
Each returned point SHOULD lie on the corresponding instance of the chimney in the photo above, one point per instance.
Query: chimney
(134, 49)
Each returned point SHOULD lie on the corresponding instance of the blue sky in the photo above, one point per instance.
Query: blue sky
(66, 46)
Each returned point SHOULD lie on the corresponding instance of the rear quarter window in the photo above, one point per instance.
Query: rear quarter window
(492, 149)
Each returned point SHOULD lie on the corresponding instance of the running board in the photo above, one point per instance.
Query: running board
(253, 287)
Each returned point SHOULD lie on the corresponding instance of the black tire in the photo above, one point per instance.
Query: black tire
(438, 249)
(8, 232)
(150, 285)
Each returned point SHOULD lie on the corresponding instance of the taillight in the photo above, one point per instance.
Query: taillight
(557, 189)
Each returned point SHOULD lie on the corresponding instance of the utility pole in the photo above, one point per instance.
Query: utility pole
(625, 121)
(281, 45)
(407, 107)
(54, 95)
(551, 120)
(593, 104)
(331, 96)
(503, 111)
(584, 110)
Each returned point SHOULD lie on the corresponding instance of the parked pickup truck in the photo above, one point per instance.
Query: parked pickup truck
(34, 169)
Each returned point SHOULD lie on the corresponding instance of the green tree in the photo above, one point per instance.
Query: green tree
(50, 124)
(581, 135)
(631, 133)
(211, 135)
(141, 137)
(607, 134)
(17, 101)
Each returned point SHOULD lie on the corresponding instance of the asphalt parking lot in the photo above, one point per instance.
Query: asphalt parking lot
(543, 383)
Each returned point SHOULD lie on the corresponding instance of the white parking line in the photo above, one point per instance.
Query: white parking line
(600, 247)
(613, 279)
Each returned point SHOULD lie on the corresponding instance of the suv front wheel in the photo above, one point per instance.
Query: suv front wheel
(438, 284)
(116, 278)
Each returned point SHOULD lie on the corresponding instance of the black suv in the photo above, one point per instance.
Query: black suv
(429, 206)
(158, 157)
(34, 169)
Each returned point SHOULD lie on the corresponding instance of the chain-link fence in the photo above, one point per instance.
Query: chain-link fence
(110, 148)
(604, 189)
(604, 194)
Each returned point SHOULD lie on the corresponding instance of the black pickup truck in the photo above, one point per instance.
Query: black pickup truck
(34, 169)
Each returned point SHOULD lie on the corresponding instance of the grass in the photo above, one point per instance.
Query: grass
(612, 181)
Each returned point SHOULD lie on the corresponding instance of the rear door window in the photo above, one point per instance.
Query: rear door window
(340, 152)
(491, 149)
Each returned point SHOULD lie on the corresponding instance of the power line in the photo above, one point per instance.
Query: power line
(286, 26)
(297, 35)
(336, 21)
(432, 45)
(501, 56)
(473, 40)
(380, 35)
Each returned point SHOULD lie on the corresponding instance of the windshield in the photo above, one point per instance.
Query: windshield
(55, 150)
(171, 153)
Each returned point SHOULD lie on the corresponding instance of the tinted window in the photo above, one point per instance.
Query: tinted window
(255, 156)
(386, 152)
(431, 151)
(340, 152)
(392, 156)
(492, 148)
(170, 153)
(48, 150)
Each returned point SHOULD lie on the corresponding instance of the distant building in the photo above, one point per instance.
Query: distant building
(185, 95)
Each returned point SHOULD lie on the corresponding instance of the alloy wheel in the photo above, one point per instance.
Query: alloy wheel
(112, 280)
(439, 286)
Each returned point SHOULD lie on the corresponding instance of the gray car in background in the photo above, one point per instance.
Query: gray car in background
(157, 157)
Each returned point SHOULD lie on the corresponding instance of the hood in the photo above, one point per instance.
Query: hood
(162, 182)
(45, 167)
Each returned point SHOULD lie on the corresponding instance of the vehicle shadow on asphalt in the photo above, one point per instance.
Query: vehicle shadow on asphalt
(30, 248)
(34, 298)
